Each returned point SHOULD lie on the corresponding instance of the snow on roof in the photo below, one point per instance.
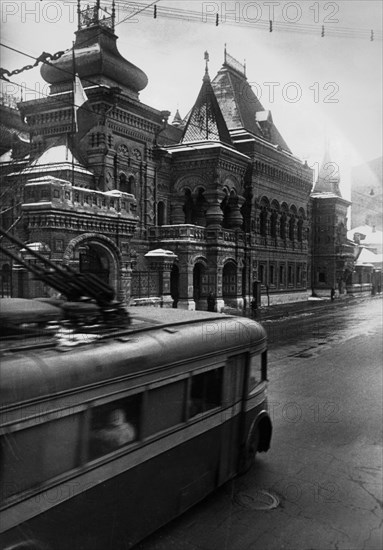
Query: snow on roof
(262, 116)
(57, 157)
(7, 156)
(366, 257)
(325, 195)
(191, 145)
(54, 155)
(370, 235)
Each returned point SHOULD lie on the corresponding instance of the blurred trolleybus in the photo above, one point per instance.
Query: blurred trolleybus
(107, 437)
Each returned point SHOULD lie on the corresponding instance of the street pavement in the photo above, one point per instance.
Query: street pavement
(320, 485)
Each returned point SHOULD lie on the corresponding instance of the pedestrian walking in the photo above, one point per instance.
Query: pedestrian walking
(211, 301)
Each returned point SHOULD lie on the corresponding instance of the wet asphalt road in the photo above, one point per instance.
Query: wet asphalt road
(325, 465)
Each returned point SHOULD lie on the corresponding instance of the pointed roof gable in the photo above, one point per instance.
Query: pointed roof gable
(240, 106)
(177, 120)
(206, 122)
(328, 177)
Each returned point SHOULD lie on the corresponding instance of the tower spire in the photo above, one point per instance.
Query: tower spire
(78, 15)
(113, 14)
(206, 76)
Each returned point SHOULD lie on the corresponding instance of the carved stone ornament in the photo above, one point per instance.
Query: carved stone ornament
(123, 150)
(189, 182)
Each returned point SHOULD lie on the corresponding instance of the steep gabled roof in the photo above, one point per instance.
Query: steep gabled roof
(206, 122)
(240, 105)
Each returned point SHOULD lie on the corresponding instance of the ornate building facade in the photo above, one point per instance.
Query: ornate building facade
(212, 211)
(333, 253)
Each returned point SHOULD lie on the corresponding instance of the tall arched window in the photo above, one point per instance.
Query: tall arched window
(123, 183)
(282, 226)
(263, 222)
(273, 224)
(131, 185)
(291, 228)
(161, 213)
(300, 230)
(188, 207)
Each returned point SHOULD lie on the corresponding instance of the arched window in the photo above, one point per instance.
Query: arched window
(161, 213)
(263, 222)
(300, 230)
(188, 207)
(201, 205)
(273, 224)
(282, 226)
(123, 183)
(291, 228)
(131, 185)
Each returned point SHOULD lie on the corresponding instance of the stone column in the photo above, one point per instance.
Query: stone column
(214, 274)
(177, 213)
(186, 300)
(214, 214)
(124, 284)
(235, 218)
(162, 261)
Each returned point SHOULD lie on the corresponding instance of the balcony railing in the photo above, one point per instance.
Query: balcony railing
(182, 232)
(42, 194)
(196, 233)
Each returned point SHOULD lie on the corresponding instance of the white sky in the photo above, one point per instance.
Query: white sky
(339, 80)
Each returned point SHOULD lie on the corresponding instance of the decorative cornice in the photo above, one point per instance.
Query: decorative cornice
(78, 223)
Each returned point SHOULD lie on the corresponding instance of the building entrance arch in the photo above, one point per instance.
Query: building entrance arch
(199, 293)
(97, 255)
(175, 284)
(94, 259)
(229, 284)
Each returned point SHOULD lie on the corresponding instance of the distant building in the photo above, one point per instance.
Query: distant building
(367, 236)
(366, 194)
(368, 248)
(332, 252)
(212, 208)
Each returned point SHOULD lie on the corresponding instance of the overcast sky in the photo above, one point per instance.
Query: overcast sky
(316, 87)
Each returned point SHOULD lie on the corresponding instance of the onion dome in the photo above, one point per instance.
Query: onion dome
(96, 58)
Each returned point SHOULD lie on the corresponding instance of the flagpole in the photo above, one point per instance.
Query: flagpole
(74, 108)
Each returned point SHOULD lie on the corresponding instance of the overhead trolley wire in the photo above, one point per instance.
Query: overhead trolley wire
(231, 19)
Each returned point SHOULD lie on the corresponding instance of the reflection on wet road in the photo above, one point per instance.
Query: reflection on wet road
(309, 333)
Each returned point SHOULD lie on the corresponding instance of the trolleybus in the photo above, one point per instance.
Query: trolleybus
(113, 423)
(108, 435)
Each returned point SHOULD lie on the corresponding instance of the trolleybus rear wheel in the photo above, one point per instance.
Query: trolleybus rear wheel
(248, 457)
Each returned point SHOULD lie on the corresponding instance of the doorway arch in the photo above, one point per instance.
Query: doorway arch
(199, 294)
(96, 254)
(175, 284)
(229, 283)
(94, 260)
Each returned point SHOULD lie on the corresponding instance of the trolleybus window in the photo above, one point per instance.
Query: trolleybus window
(165, 407)
(258, 366)
(34, 455)
(235, 376)
(114, 425)
(206, 391)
